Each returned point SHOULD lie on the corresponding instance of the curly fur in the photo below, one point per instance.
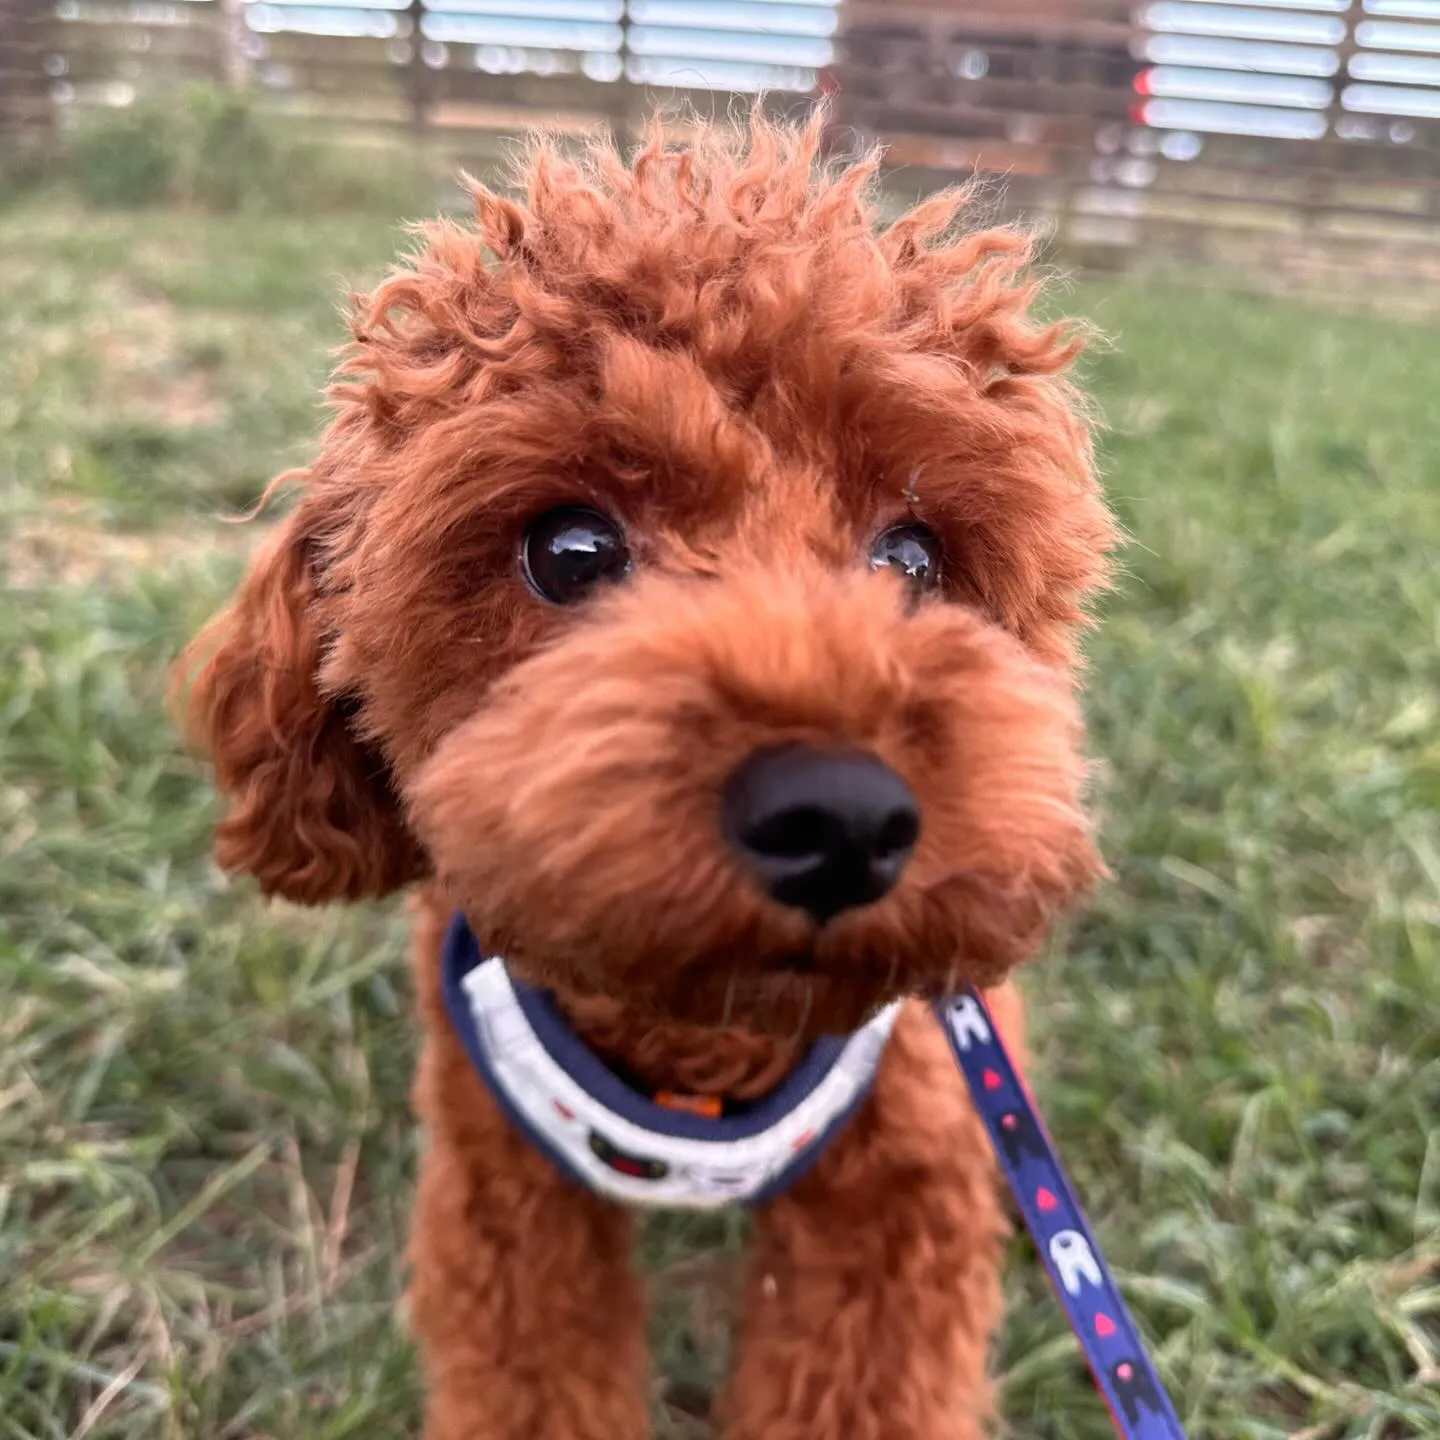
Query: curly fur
(718, 345)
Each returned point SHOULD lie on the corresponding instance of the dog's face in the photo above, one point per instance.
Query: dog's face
(687, 587)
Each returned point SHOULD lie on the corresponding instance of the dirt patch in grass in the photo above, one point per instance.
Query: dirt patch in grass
(139, 344)
(66, 543)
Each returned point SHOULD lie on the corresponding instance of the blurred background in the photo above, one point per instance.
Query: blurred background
(205, 1144)
(1287, 134)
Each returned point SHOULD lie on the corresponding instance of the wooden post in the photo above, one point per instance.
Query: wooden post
(26, 111)
(620, 110)
(1327, 158)
(418, 73)
(234, 53)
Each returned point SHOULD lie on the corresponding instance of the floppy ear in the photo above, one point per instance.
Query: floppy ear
(309, 808)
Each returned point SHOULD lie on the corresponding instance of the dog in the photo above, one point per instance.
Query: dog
(682, 605)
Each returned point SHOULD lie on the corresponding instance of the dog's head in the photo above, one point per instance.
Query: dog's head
(687, 583)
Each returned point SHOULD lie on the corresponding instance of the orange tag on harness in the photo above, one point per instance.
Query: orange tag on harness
(710, 1106)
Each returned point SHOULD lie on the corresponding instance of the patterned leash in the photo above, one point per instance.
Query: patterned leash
(1139, 1406)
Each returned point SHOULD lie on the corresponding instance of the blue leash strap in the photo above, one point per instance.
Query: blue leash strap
(1139, 1406)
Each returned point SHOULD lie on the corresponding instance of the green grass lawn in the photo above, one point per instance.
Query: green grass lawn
(205, 1150)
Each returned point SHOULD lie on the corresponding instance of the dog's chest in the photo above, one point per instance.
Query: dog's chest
(681, 1061)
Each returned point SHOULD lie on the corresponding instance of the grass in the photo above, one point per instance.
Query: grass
(205, 1148)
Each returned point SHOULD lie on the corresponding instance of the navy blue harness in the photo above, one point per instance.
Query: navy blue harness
(609, 1136)
(616, 1140)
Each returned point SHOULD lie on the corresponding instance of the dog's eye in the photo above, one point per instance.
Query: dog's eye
(569, 551)
(913, 550)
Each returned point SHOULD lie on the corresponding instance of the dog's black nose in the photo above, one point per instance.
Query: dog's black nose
(822, 831)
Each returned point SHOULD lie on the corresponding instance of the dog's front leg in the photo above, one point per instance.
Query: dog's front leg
(874, 1283)
(529, 1319)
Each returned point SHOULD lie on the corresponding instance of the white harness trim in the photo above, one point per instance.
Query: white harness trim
(651, 1156)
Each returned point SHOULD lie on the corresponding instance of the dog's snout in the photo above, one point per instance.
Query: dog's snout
(822, 831)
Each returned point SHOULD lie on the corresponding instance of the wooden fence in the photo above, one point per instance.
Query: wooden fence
(1299, 135)
(25, 103)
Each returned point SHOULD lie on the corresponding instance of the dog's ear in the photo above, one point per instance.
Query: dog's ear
(309, 808)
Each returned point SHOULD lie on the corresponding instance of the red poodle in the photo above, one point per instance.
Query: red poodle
(682, 603)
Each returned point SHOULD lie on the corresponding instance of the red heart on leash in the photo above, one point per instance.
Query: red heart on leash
(1104, 1325)
(991, 1079)
(1044, 1199)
